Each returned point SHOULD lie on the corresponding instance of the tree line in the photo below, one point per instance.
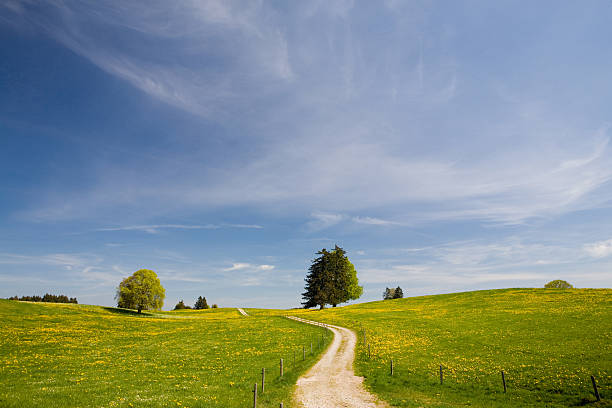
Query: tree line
(391, 293)
(46, 298)
(199, 304)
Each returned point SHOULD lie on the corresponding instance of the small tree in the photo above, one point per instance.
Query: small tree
(200, 303)
(388, 294)
(142, 290)
(180, 305)
(398, 293)
(214, 306)
(558, 284)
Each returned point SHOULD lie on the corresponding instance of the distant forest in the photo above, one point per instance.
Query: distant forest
(47, 298)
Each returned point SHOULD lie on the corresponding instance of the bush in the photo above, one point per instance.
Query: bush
(214, 306)
(181, 305)
(558, 284)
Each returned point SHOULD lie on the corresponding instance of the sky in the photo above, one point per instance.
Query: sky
(446, 146)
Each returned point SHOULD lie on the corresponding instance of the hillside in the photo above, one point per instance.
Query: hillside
(61, 355)
(548, 343)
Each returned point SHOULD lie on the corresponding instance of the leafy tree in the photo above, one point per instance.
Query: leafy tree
(332, 279)
(559, 284)
(398, 293)
(200, 303)
(214, 306)
(388, 294)
(180, 305)
(142, 290)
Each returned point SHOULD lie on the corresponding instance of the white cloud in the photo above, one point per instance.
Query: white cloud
(238, 266)
(247, 266)
(599, 249)
(374, 221)
(154, 229)
(322, 220)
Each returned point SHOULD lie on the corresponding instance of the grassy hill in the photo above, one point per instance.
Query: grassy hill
(547, 341)
(62, 355)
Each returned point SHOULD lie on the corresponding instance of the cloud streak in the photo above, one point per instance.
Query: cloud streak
(154, 229)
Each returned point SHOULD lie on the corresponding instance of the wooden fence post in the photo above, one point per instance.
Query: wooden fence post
(281, 367)
(504, 380)
(311, 347)
(441, 376)
(255, 396)
(369, 353)
(595, 389)
(303, 353)
(391, 367)
(263, 380)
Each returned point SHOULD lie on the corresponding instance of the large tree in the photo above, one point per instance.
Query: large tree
(332, 279)
(142, 290)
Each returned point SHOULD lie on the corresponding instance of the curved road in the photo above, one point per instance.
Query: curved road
(332, 383)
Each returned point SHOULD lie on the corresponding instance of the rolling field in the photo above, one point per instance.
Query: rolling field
(60, 355)
(548, 342)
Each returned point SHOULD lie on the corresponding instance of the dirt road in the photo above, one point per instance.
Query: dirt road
(331, 383)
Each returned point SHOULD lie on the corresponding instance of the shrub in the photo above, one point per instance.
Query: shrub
(558, 284)
(180, 305)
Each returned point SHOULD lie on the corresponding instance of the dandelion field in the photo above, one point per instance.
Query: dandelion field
(61, 355)
(548, 342)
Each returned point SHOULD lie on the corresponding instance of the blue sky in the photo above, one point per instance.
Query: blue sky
(447, 146)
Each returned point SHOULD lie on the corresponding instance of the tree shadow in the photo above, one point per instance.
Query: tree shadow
(127, 312)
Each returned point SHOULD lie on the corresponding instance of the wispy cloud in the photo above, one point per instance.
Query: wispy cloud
(599, 249)
(154, 229)
(243, 266)
(374, 221)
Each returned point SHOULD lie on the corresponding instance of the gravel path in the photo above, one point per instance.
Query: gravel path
(331, 383)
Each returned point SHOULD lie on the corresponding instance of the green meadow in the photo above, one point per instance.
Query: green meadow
(548, 342)
(62, 355)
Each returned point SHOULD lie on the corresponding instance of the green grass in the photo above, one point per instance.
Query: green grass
(60, 355)
(548, 341)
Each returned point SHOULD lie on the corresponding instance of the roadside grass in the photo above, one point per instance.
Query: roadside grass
(547, 341)
(60, 355)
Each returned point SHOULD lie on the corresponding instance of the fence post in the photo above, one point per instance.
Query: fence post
(255, 396)
(311, 347)
(595, 389)
(369, 353)
(504, 380)
(294, 358)
(391, 367)
(263, 380)
(303, 353)
(441, 376)
(281, 367)
(281, 405)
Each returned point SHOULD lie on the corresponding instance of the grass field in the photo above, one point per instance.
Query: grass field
(548, 342)
(60, 355)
